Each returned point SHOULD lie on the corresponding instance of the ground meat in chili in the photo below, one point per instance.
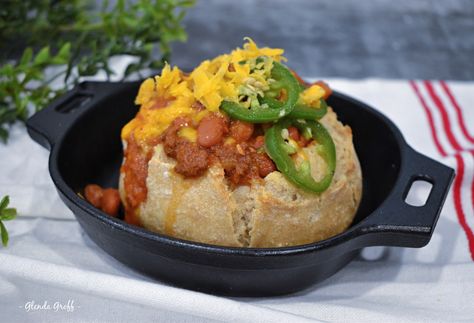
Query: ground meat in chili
(241, 161)
(265, 164)
(191, 160)
(170, 138)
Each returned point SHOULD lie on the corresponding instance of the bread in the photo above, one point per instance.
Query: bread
(270, 212)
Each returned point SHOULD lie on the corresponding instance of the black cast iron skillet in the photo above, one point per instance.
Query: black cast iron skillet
(82, 130)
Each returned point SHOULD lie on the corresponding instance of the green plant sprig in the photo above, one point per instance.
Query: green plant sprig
(6, 214)
(83, 38)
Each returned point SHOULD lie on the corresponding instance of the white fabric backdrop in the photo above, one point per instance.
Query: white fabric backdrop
(50, 259)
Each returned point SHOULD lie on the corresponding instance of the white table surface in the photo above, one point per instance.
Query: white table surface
(51, 262)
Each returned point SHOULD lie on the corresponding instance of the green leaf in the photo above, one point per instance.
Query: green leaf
(26, 57)
(63, 55)
(4, 234)
(131, 22)
(42, 56)
(7, 70)
(4, 203)
(65, 51)
(8, 214)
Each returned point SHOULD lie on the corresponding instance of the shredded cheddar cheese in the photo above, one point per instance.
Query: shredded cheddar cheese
(312, 95)
(188, 133)
(244, 73)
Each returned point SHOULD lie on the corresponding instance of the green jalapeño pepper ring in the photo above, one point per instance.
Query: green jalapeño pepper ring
(308, 113)
(278, 151)
(300, 111)
(285, 80)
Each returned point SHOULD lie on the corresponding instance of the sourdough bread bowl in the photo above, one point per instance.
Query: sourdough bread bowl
(209, 205)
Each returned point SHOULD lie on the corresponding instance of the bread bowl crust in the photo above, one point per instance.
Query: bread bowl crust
(269, 213)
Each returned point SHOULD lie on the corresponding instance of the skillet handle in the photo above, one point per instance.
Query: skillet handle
(47, 126)
(396, 223)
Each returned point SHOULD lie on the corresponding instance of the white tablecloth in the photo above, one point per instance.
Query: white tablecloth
(52, 272)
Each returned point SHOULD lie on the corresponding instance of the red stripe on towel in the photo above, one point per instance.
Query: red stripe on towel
(457, 192)
(444, 115)
(429, 116)
(472, 184)
(458, 204)
(457, 107)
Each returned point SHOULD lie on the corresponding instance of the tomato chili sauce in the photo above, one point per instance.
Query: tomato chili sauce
(135, 170)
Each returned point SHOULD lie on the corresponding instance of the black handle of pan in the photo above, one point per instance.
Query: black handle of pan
(47, 126)
(395, 222)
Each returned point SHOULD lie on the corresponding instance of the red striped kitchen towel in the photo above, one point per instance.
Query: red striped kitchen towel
(447, 121)
(437, 119)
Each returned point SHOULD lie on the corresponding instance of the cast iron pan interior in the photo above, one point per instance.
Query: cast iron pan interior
(83, 131)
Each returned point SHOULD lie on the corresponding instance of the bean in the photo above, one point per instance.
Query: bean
(93, 194)
(111, 201)
(241, 131)
(211, 131)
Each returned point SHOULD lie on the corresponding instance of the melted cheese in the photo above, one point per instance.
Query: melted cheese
(312, 95)
(222, 78)
(189, 133)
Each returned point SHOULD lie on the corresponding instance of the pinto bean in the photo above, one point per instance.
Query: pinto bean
(110, 201)
(211, 131)
(93, 194)
(241, 131)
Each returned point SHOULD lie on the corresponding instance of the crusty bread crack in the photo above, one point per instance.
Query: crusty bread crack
(269, 213)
